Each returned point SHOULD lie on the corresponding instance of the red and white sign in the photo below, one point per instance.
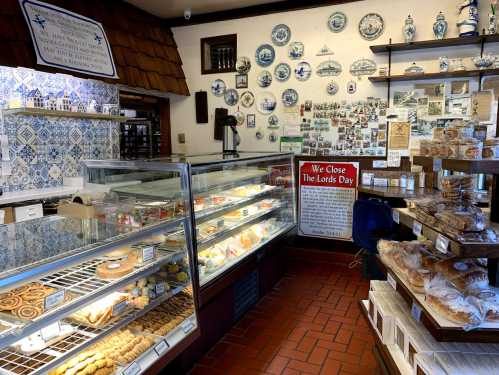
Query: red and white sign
(327, 191)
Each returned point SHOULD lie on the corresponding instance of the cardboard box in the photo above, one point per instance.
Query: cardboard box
(76, 210)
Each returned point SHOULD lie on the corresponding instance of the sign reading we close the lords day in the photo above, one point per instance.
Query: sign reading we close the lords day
(67, 40)
(327, 191)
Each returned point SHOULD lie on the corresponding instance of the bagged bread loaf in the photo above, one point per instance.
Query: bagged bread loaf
(464, 274)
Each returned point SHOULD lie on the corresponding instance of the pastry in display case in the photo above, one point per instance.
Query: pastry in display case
(73, 284)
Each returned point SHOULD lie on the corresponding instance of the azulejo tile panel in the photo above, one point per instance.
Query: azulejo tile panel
(43, 150)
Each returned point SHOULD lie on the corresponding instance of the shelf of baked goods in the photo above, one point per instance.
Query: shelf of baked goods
(408, 344)
(61, 292)
(451, 295)
(439, 75)
(479, 243)
(115, 331)
(48, 112)
(487, 166)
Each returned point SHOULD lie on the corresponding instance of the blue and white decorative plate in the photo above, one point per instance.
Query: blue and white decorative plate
(296, 50)
(273, 137)
(329, 68)
(282, 72)
(239, 117)
(303, 71)
(289, 97)
(363, 67)
(218, 87)
(273, 122)
(266, 103)
(281, 35)
(231, 97)
(264, 78)
(337, 22)
(371, 26)
(332, 88)
(243, 65)
(351, 87)
(247, 99)
(265, 55)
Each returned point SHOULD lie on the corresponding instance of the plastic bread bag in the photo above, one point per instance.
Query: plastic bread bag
(457, 182)
(489, 302)
(463, 220)
(451, 304)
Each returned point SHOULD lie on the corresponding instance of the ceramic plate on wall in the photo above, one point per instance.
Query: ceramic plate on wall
(247, 99)
(337, 22)
(273, 122)
(264, 78)
(265, 55)
(351, 87)
(239, 117)
(243, 65)
(282, 72)
(259, 134)
(266, 103)
(273, 137)
(332, 88)
(289, 97)
(296, 50)
(218, 87)
(329, 68)
(371, 26)
(363, 67)
(231, 97)
(281, 35)
(303, 71)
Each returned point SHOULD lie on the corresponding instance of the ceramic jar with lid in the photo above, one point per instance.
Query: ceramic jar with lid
(440, 26)
(491, 149)
(409, 29)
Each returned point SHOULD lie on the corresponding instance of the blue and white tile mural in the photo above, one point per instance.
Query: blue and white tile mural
(43, 150)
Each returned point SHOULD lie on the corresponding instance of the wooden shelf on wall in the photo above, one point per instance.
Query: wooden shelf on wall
(435, 43)
(48, 112)
(488, 166)
(443, 75)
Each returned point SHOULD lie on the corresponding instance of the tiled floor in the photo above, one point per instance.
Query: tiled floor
(309, 324)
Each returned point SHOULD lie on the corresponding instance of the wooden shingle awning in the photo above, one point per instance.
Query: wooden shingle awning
(144, 50)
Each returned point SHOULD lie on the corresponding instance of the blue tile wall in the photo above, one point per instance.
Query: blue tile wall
(42, 149)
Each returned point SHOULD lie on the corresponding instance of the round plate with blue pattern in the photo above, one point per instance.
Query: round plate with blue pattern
(264, 78)
(231, 97)
(273, 122)
(280, 35)
(337, 22)
(289, 97)
(332, 88)
(266, 103)
(296, 50)
(303, 71)
(371, 26)
(282, 72)
(218, 87)
(265, 55)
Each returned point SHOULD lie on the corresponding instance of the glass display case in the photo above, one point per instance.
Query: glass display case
(240, 203)
(100, 287)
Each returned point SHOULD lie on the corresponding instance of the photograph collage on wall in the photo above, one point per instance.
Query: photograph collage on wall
(345, 129)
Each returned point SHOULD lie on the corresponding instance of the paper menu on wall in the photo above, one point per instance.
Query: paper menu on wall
(399, 133)
(393, 158)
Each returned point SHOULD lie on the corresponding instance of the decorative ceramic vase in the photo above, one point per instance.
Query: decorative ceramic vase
(409, 29)
(468, 18)
(443, 64)
(440, 26)
(492, 28)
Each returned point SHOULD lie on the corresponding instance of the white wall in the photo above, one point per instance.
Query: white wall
(310, 27)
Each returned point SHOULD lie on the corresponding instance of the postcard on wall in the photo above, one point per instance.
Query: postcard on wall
(399, 133)
(435, 108)
(404, 98)
(482, 105)
(433, 90)
(492, 83)
(460, 87)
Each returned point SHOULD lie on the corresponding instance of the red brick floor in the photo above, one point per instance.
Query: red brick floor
(309, 324)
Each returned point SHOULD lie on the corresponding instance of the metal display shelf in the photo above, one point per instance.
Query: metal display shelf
(12, 362)
(439, 75)
(48, 112)
(40, 267)
(81, 282)
(387, 357)
(469, 166)
(458, 248)
(440, 328)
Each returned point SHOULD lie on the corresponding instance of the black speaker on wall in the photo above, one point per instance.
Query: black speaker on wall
(201, 98)
(220, 115)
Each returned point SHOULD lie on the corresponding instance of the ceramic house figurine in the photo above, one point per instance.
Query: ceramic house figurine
(51, 102)
(440, 26)
(34, 99)
(63, 101)
(467, 20)
(409, 29)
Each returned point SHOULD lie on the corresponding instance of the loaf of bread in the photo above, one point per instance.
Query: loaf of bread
(417, 279)
(453, 307)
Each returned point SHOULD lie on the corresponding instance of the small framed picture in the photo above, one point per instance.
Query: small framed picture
(241, 81)
(250, 121)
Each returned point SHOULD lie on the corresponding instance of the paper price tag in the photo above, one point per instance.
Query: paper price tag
(396, 216)
(416, 311)
(50, 331)
(391, 281)
(417, 228)
(380, 164)
(55, 299)
(119, 308)
(162, 347)
(220, 223)
(187, 326)
(147, 253)
(442, 243)
(133, 369)
(160, 288)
